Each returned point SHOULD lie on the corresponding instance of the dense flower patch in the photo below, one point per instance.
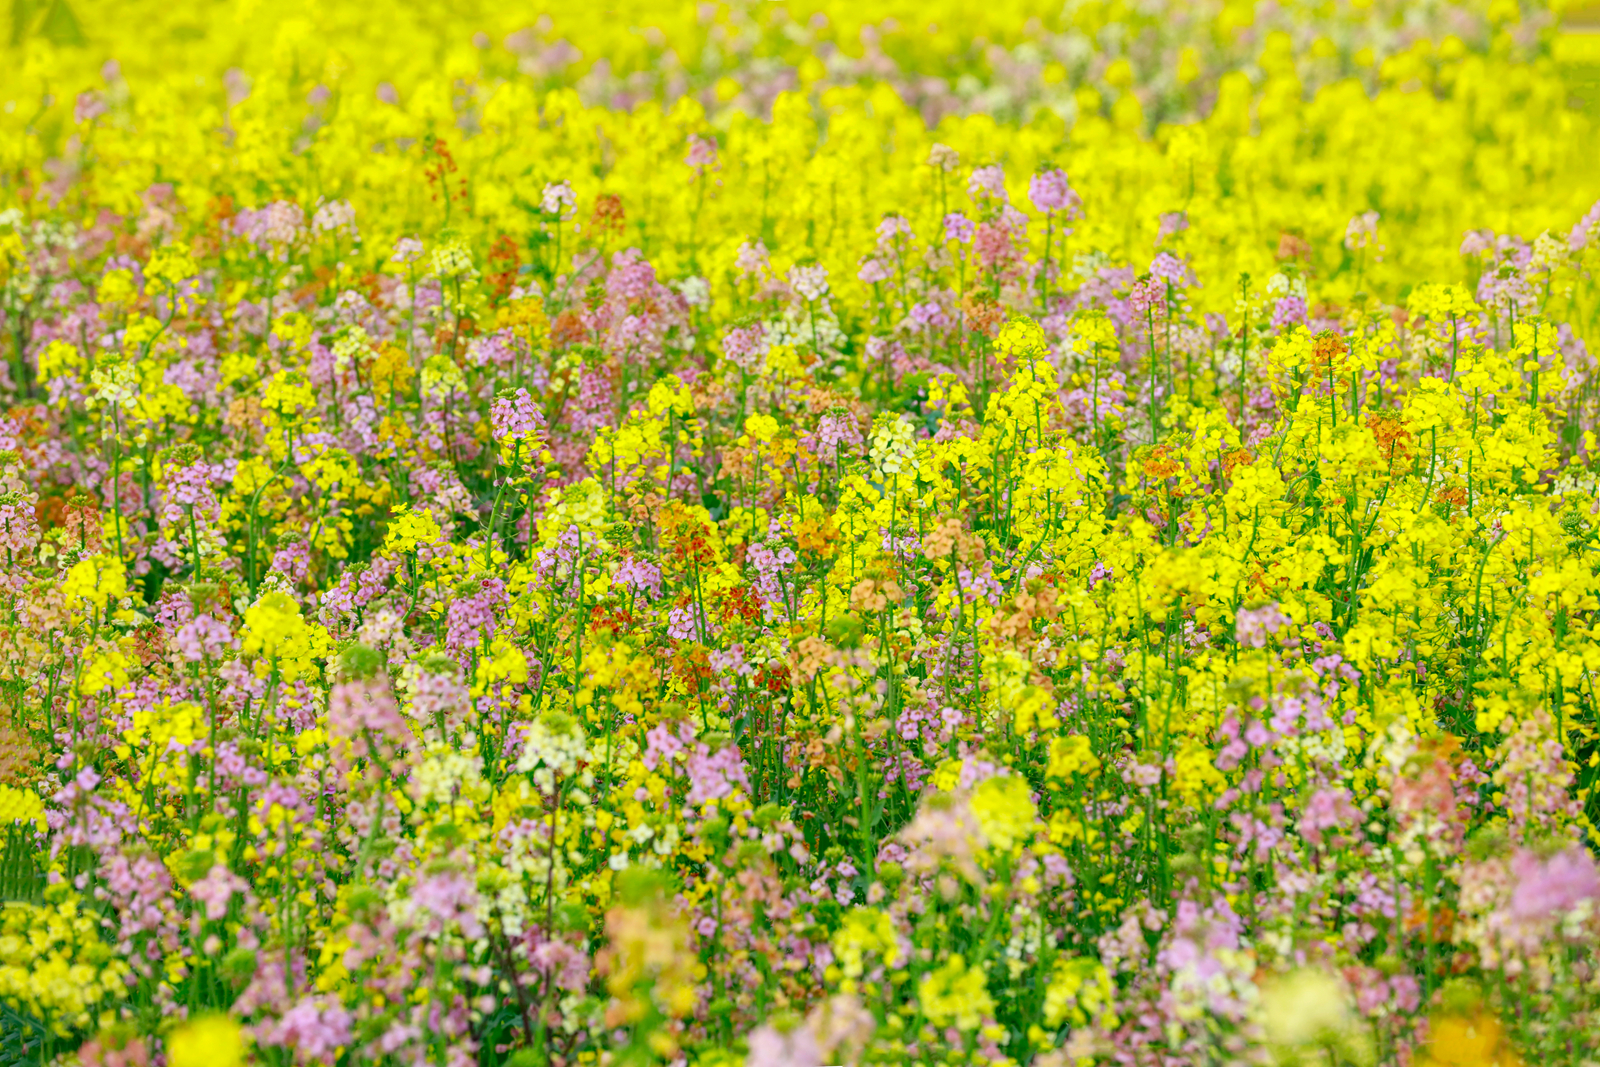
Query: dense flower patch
(798, 534)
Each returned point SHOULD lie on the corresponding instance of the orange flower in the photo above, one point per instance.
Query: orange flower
(1159, 464)
(1393, 438)
(816, 535)
(1326, 348)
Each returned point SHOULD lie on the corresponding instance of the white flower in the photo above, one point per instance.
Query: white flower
(893, 444)
(452, 260)
(809, 281)
(551, 747)
(696, 291)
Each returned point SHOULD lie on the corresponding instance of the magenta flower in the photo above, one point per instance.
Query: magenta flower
(1050, 191)
(515, 417)
(988, 183)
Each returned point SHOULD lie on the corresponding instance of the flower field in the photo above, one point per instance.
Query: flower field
(784, 534)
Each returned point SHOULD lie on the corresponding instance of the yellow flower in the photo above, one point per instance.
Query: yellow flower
(20, 805)
(106, 668)
(209, 1041)
(670, 394)
(117, 289)
(1475, 1041)
(390, 369)
(955, 996)
(169, 265)
(1022, 337)
(409, 528)
(1080, 992)
(505, 663)
(1197, 779)
(1071, 755)
(95, 579)
(1004, 810)
(54, 965)
(761, 427)
(286, 397)
(865, 931)
(947, 776)
(59, 358)
(274, 629)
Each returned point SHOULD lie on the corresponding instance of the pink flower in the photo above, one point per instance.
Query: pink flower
(316, 1028)
(874, 269)
(1328, 809)
(281, 223)
(216, 889)
(1253, 627)
(769, 1048)
(716, 775)
(515, 417)
(557, 199)
(745, 346)
(89, 106)
(752, 258)
(1289, 310)
(1169, 268)
(1050, 191)
(19, 526)
(702, 152)
(810, 281)
(1149, 294)
(927, 315)
(1551, 888)
(446, 901)
(640, 576)
(1172, 222)
(202, 638)
(988, 183)
(1585, 229)
(568, 966)
(363, 713)
(892, 230)
(993, 245)
(958, 228)
(663, 743)
(188, 489)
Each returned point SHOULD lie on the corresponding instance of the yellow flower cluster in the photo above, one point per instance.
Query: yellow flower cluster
(275, 631)
(20, 806)
(409, 528)
(955, 994)
(55, 966)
